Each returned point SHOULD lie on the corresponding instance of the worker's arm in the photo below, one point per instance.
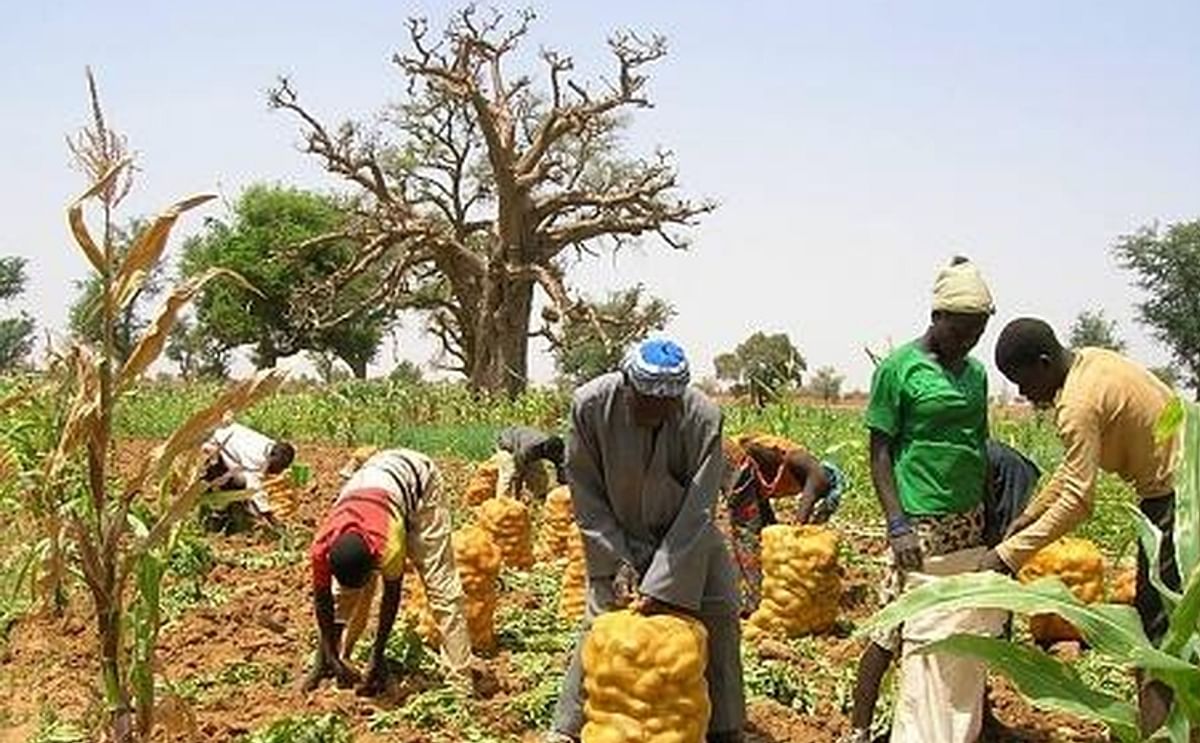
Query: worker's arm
(1067, 499)
(331, 656)
(692, 534)
(603, 539)
(905, 545)
(389, 607)
(806, 469)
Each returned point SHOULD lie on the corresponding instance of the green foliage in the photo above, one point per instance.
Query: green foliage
(274, 239)
(595, 337)
(328, 728)
(1092, 329)
(406, 373)
(1166, 264)
(1113, 632)
(826, 384)
(764, 366)
(198, 355)
(53, 729)
(16, 333)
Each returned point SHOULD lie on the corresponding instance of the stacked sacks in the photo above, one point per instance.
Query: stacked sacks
(1078, 564)
(507, 520)
(802, 582)
(644, 678)
(558, 521)
(571, 600)
(477, 559)
(482, 484)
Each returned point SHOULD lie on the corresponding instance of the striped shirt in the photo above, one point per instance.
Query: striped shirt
(407, 476)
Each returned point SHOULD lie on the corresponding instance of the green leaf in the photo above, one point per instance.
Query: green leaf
(1046, 682)
(1169, 421)
(1187, 493)
(1111, 629)
(1151, 538)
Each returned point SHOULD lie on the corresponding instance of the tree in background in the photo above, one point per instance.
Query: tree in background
(591, 343)
(16, 333)
(762, 366)
(826, 384)
(278, 239)
(1166, 263)
(406, 373)
(84, 316)
(1092, 329)
(485, 184)
(1168, 373)
(196, 353)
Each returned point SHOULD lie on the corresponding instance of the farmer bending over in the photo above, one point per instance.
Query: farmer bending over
(239, 458)
(522, 454)
(645, 467)
(760, 467)
(391, 507)
(1106, 408)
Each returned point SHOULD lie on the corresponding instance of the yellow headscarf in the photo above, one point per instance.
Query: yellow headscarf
(960, 288)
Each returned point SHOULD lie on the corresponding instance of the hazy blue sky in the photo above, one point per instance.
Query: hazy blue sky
(853, 146)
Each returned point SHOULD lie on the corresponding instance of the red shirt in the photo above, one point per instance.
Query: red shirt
(369, 513)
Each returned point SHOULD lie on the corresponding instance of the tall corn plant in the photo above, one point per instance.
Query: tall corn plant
(1112, 630)
(111, 546)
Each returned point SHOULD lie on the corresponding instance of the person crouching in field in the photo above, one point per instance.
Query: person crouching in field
(391, 507)
(928, 424)
(522, 456)
(1106, 408)
(760, 467)
(239, 458)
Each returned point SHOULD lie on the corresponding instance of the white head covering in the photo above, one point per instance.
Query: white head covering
(960, 288)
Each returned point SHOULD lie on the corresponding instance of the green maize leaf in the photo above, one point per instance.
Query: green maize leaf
(1045, 682)
(1184, 619)
(1109, 628)
(222, 498)
(1170, 420)
(301, 474)
(1178, 729)
(1187, 493)
(1151, 538)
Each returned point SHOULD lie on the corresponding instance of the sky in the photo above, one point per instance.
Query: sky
(853, 147)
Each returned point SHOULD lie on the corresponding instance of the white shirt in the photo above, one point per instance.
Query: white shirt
(244, 451)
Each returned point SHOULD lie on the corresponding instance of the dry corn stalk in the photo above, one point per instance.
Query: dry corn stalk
(801, 582)
(507, 520)
(558, 520)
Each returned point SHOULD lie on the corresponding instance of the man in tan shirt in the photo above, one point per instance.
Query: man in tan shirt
(1106, 409)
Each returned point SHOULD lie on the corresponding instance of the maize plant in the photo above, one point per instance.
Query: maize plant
(1110, 629)
(110, 552)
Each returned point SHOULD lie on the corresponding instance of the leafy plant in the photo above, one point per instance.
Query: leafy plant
(328, 728)
(111, 546)
(1112, 631)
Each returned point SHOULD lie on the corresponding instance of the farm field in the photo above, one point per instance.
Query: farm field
(238, 631)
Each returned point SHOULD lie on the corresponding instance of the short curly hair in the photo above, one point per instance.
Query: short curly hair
(1024, 341)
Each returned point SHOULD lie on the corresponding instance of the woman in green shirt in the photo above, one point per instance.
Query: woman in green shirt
(928, 426)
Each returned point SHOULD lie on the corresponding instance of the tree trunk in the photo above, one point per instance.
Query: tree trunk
(358, 365)
(501, 358)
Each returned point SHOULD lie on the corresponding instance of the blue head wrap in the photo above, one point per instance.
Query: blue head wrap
(657, 368)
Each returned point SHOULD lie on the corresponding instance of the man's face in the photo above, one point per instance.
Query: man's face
(1035, 381)
(650, 412)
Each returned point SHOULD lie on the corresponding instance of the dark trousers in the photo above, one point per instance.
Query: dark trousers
(1149, 605)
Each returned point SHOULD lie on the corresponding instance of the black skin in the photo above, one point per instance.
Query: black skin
(949, 339)
(804, 468)
(331, 664)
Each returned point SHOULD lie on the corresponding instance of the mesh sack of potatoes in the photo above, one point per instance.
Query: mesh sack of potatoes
(1078, 564)
(571, 600)
(477, 559)
(482, 484)
(558, 520)
(507, 520)
(802, 582)
(644, 678)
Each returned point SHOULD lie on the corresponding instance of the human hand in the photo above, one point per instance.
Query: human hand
(991, 561)
(347, 676)
(375, 683)
(625, 584)
(906, 548)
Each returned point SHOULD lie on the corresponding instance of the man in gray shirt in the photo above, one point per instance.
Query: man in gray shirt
(645, 465)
